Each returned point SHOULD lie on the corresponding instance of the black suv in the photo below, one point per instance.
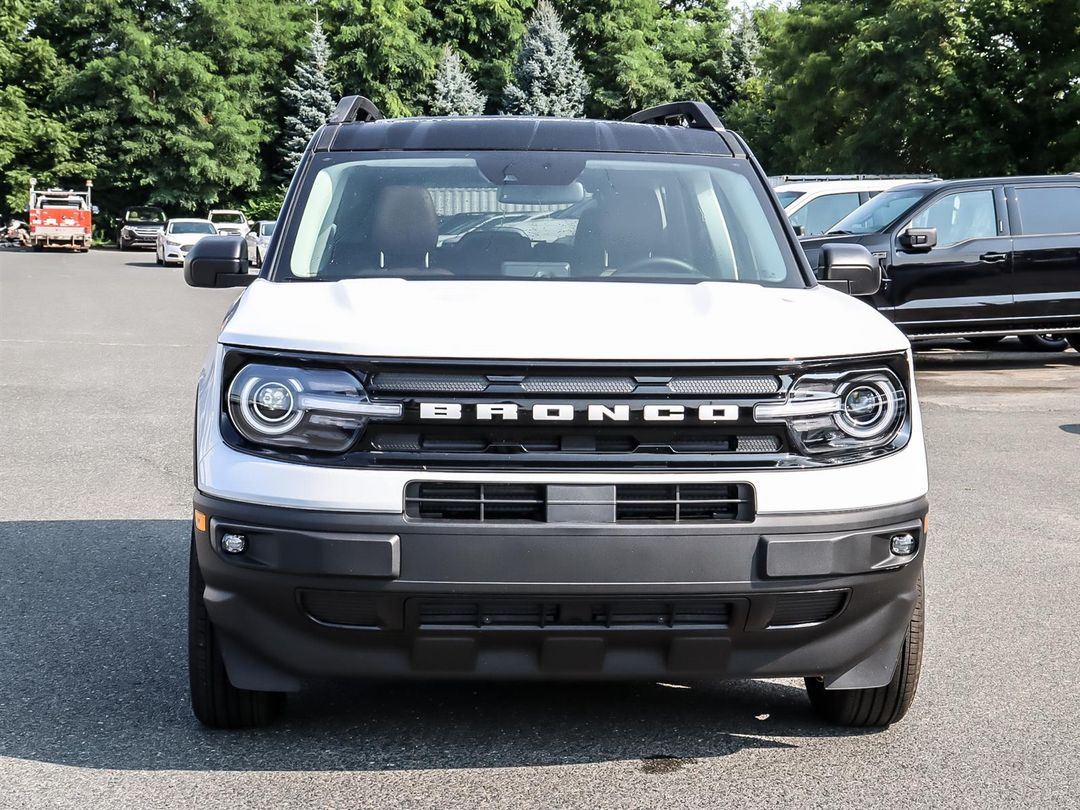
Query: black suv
(975, 258)
(139, 226)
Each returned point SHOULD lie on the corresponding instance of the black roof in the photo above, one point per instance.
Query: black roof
(938, 185)
(515, 133)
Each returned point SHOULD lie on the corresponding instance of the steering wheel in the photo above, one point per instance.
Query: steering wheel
(663, 263)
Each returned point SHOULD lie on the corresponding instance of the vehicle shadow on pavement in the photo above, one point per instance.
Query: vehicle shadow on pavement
(93, 674)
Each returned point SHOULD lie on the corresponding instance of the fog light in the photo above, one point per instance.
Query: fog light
(903, 545)
(233, 543)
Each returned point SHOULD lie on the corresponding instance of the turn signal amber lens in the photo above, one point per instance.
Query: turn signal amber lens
(200, 522)
(926, 524)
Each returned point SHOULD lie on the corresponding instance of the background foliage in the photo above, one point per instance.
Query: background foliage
(181, 102)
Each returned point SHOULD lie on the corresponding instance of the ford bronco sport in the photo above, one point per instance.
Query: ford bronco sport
(614, 428)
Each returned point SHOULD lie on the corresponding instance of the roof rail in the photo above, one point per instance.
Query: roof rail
(693, 114)
(349, 110)
(821, 178)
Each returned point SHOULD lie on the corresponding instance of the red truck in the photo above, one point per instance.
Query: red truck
(60, 218)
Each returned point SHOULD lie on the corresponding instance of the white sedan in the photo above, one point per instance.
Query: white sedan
(176, 239)
(258, 240)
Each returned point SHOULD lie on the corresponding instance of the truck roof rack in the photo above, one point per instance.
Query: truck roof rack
(693, 114)
(353, 108)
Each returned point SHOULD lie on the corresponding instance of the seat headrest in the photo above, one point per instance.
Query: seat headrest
(405, 228)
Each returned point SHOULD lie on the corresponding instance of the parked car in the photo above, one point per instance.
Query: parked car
(258, 240)
(139, 226)
(814, 204)
(976, 258)
(658, 450)
(228, 221)
(177, 237)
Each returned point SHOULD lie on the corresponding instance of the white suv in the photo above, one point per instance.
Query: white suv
(648, 443)
(229, 221)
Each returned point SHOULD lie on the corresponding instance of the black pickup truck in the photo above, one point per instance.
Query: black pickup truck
(979, 259)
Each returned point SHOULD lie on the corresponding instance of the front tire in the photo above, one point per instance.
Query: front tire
(881, 706)
(214, 700)
(1074, 340)
(157, 257)
(1044, 343)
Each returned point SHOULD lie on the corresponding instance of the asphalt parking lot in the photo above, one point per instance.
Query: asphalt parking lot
(99, 354)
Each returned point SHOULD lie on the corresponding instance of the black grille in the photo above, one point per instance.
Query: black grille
(340, 607)
(807, 608)
(436, 500)
(572, 384)
(569, 613)
(682, 503)
(539, 503)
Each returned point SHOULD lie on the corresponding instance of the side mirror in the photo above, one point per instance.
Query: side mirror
(918, 240)
(95, 210)
(218, 261)
(850, 266)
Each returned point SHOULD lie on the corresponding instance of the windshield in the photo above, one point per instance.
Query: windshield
(879, 212)
(227, 216)
(267, 229)
(536, 215)
(192, 227)
(788, 197)
(144, 215)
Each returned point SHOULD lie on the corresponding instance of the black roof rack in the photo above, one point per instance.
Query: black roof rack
(349, 110)
(693, 114)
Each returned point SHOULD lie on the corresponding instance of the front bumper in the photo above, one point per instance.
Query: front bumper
(173, 253)
(350, 594)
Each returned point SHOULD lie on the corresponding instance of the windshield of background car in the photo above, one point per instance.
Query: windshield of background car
(535, 215)
(788, 197)
(879, 212)
(144, 215)
(228, 218)
(192, 227)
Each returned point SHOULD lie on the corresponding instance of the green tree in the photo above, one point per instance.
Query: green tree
(486, 34)
(308, 98)
(548, 79)
(454, 91)
(381, 50)
(34, 142)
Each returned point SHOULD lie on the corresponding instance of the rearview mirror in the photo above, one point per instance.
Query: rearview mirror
(218, 261)
(850, 266)
(523, 194)
(918, 240)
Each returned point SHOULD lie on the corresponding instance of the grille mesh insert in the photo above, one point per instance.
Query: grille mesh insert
(807, 608)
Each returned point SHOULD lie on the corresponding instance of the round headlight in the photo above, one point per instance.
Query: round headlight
(267, 406)
(869, 407)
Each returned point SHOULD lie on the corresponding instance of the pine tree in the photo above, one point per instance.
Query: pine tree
(547, 77)
(454, 91)
(308, 97)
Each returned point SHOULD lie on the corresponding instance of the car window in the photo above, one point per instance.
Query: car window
(819, 215)
(144, 215)
(961, 216)
(227, 217)
(1049, 210)
(788, 197)
(267, 229)
(879, 213)
(192, 227)
(537, 215)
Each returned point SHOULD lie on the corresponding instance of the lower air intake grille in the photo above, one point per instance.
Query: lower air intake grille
(600, 503)
(807, 608)
(683, 503)
(436, 500)
(569, 613)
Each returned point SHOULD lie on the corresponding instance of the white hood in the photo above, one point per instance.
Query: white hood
(186, 239)
(546, 320)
